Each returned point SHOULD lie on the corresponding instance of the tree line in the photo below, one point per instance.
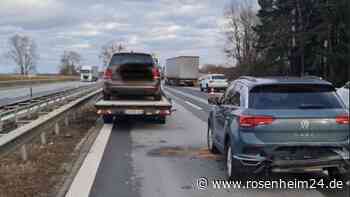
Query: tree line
(290, 38)
(23, 51)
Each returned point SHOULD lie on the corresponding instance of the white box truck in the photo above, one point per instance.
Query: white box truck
(182, 70)
(89, 73)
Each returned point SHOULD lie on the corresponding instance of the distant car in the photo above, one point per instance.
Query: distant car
(344, 93)
(132, 74)
(213, 81)
(279, 125)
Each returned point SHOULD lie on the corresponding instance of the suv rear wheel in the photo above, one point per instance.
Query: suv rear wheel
(233, 167)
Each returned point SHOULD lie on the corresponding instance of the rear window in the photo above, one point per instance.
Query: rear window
(218, 77)
(294, 97)
(120, 59)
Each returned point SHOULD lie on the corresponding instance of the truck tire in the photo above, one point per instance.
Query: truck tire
(158, 97)
(162, 120)
(106, 97)
(107, 119)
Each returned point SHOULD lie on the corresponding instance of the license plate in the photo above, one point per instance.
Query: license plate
(134, 112)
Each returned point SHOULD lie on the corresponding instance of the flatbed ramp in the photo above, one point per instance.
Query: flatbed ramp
(130, 107)
(164, 102)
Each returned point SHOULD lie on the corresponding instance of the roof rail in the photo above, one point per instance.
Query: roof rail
(312, 77)
(248, 78)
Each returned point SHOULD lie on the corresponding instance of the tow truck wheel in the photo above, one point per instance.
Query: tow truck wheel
(107, 119)
(106, 97)
(158, 97)
(162, 120)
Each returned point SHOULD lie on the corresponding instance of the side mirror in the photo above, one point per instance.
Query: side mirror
(215, 98)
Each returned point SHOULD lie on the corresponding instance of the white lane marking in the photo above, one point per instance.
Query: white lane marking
(193, 105)
(193, 88)
(85, 178)
(189, 95)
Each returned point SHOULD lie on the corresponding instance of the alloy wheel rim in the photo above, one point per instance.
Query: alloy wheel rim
(210, 139)
(229, 161)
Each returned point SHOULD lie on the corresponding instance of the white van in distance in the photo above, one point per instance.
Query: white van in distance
(89, 73)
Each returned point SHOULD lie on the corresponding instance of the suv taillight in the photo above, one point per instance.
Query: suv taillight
(155, 73)
(253, 121)
(108, 74)
(342, 119)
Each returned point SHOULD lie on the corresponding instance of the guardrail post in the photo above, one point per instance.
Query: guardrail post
(74, 116)
(16, 115)
(24, 152)
(29, 113)
(66, 120)
(57, 128)
(43, 138)
(1, 125)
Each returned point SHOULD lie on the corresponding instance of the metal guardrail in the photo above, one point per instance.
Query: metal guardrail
(40, 105)
(51, 121)
(31, 82)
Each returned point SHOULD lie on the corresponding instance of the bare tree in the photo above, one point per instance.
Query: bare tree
(70, 63)
(241, 37)
(23, 51)
(109, 49)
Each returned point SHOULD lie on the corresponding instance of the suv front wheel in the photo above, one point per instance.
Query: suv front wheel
(210, 141)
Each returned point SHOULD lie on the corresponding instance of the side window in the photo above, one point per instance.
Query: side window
(226, 96)
(347, 86)
(236, 99)
(244, 96)
(232, 98)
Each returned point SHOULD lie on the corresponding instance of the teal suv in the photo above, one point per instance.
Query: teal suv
(280, 125)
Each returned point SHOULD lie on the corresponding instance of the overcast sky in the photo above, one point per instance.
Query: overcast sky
(165, 27)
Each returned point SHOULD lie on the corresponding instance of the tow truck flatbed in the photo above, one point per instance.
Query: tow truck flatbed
(131, 107)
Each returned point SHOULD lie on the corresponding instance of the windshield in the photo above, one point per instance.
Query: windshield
(120, 59)
(218, 77)
(293, 97)
(85, 71)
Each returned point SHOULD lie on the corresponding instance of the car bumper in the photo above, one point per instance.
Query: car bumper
(257, 163)
(131, 89)
(217, 86)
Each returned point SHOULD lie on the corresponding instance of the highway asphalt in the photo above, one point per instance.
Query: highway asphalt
(11, 94)
(145, 159)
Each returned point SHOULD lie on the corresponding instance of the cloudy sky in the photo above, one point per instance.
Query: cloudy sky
(165, 27)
